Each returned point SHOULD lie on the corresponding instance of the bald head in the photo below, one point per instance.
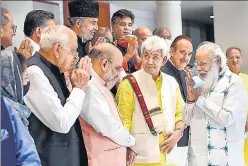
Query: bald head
(162, 32)
(106, 61)
(142, 34)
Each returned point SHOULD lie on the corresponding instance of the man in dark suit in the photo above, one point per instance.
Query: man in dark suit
(83, 18)
(181, 53)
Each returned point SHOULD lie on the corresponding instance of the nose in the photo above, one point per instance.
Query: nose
(96, 27)
(198, 68)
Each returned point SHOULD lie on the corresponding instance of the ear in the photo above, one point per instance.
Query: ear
(164, 61)
(56, 49)
(218, 60)
(172, 51)
(78, 23)
(104, 65)
(38, 32)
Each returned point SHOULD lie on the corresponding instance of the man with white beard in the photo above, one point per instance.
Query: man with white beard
(215, 112)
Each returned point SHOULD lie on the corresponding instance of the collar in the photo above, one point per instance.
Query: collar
(51, 66)
(35, 45)
(97, 78)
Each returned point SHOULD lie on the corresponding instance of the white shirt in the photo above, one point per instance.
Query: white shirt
(35, 45)
(219, 111)
(44, 103)
(96, 112)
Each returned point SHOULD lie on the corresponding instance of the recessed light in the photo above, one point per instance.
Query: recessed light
(211, 16)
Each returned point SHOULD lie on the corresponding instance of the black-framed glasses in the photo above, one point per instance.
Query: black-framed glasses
(14, 27)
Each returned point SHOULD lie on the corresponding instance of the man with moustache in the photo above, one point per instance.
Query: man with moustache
(54, 123)
(181, 51)
(105, 136)
(216, 111)
(150, 105)
(122, 24)
(142, 33)
(83, 18)
(234, 61)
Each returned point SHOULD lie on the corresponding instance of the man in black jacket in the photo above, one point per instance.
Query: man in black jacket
(54, 123)
(83, 18)
(181, 53)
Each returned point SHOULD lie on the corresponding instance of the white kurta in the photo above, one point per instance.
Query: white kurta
(217, 123)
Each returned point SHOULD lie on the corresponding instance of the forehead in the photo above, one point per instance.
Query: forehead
(203, 55)
(184, 44)
(153, 52)
(72, 39)
(234, 52)
(92, 19)
(145, 32)
(10, 18)
(124, 19)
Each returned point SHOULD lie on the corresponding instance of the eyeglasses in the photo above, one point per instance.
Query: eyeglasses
(14, 27)
(203, 64)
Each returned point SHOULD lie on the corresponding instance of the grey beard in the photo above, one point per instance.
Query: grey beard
(210, 79)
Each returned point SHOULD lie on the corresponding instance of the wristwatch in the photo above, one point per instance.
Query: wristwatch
(181, 131)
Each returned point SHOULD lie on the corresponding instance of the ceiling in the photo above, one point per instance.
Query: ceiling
(191, 10)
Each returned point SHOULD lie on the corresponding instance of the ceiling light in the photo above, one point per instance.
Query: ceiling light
(211, 16)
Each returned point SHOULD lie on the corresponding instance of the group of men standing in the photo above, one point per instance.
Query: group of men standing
(127, 106)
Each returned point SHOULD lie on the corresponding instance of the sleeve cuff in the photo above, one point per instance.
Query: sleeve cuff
(77, 95)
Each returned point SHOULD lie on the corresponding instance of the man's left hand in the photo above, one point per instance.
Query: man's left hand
(171, 139)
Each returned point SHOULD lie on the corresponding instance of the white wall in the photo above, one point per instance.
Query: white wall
(19, 10)
(231, 26)
(142, 18)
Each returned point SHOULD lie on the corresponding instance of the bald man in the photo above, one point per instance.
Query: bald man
(105, 136)
(142, 34)
(162, 32)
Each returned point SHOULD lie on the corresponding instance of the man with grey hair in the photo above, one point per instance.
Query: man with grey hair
(150, 105)
(216, 111)
(54, 123)
(83, 18)
(162, 32)
(8, 29)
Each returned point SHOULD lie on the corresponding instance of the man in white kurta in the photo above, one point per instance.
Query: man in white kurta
(215, 112)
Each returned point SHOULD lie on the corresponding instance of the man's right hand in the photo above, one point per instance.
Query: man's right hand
(132, 48)
(131, 155)
(80, 76)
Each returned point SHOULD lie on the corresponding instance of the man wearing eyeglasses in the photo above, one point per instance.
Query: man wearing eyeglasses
(8, 29)
(215, 112)
(234, 62)
(105, 136)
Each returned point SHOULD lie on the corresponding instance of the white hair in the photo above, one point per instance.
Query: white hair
(154, 43)
(53, 34)
(215, 51)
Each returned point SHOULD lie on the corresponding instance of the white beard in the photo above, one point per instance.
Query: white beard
(210, 79)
